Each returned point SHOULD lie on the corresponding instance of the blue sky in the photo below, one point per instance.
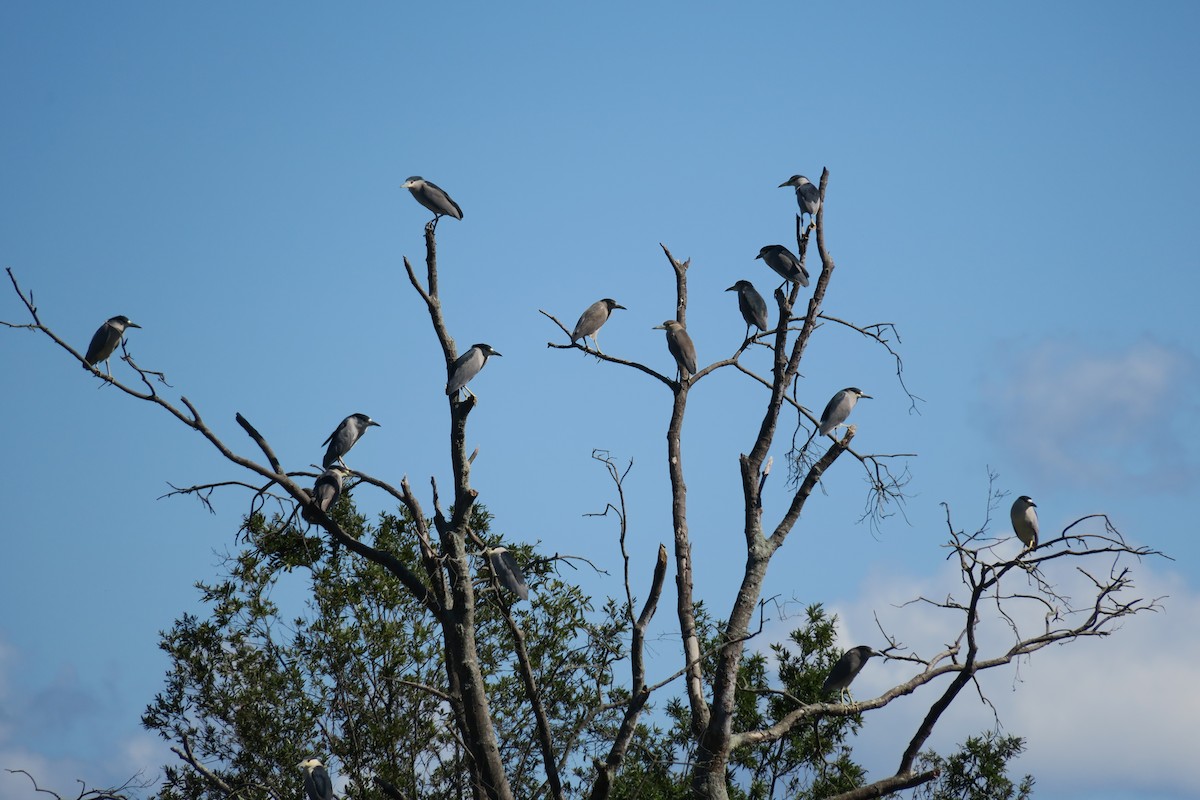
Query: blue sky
(1013, 187)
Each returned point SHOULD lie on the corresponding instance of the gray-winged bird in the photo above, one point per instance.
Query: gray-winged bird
(507, 571)
(751, 304)
(105, 341)
(1025, 521)
(847, 668)
(591, 320)
(808, 196)
(680, 345)
(316, 780)
(433, 197)
(784, 262)
(467, 366)
(347, 433)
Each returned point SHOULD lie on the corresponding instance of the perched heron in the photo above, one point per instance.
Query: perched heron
(507, 571)
(846, 669)
(808, 196)
(751, 304)
(344, 437)
(839, 408)
(316, 780)
(680, 345)
(592, 319)
(105, 341)
(433, 197)
(467, 367)
(782, 260)
(1024, 521)
(326, 490)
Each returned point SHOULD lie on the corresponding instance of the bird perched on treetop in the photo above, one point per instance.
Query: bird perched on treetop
(592, 318)
(316, 780)
(507, 571)
(808, 196)
(433, 197)
(847, 668)
(680, 345)
(105, 341)
(467, 366)
(1025, 521)
(751, 304)
(785, 264)
(349, 431)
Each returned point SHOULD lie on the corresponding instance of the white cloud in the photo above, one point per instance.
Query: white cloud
(1109, 717)
(1098, 418)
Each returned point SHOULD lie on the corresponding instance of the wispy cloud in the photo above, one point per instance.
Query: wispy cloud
(1110, 419)
(1108, 717)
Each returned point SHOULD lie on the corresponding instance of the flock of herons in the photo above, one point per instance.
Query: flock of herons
(508, 572)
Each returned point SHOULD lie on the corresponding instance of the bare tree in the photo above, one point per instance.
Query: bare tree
(441, 579)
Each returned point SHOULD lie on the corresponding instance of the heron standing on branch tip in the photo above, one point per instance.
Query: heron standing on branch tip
(751, 304)
(316, 780)
(837, 410)
(507, 571)
(784, 262)
(467, 366)
(105, 341)
(591, 320)
(808, 196)
(433, 197)
(344, 437)
(1025, 521)
(846, 670)
(680, 345)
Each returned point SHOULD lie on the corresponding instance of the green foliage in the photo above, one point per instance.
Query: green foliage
(354, 674)
(978, 771)
(812, 760)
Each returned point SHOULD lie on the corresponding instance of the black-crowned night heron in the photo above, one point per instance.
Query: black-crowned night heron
(316, 780)
(680, 345)
(839, 408)
(467, 367)
(1025, 521)
(846, 670)
(326, 490)
(808, 196)
(507, 571)
(433, 197)
(751, 304)
(593, 317)
(344, 436)
(105, 341)
(784, 262)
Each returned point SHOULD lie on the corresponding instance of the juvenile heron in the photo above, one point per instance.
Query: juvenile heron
(467, 367)
(751, 304)
(808, 196)
(784, 262)
(1025, 521)
(105, 341)
(507, 571)
(433, 197)
(326, 490)
(846, 670)
(316, 780)
(591, 320)
(344, 437)
(680, 345)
